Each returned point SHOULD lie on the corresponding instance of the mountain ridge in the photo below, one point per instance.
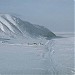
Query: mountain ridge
(14, 26)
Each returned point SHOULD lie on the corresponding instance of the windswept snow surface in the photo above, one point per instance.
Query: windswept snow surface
(54, 57)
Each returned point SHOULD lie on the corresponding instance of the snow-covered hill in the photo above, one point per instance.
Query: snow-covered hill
(13, 27)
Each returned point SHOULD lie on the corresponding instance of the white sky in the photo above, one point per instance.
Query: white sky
(57, 15)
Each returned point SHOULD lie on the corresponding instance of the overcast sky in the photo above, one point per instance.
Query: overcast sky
(56, 15)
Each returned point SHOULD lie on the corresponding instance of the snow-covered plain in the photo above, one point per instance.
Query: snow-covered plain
(55, 58)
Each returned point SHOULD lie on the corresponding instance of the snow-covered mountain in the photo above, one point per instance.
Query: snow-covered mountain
(13, 27)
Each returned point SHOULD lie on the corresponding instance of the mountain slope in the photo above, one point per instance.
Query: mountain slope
(12, 26)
